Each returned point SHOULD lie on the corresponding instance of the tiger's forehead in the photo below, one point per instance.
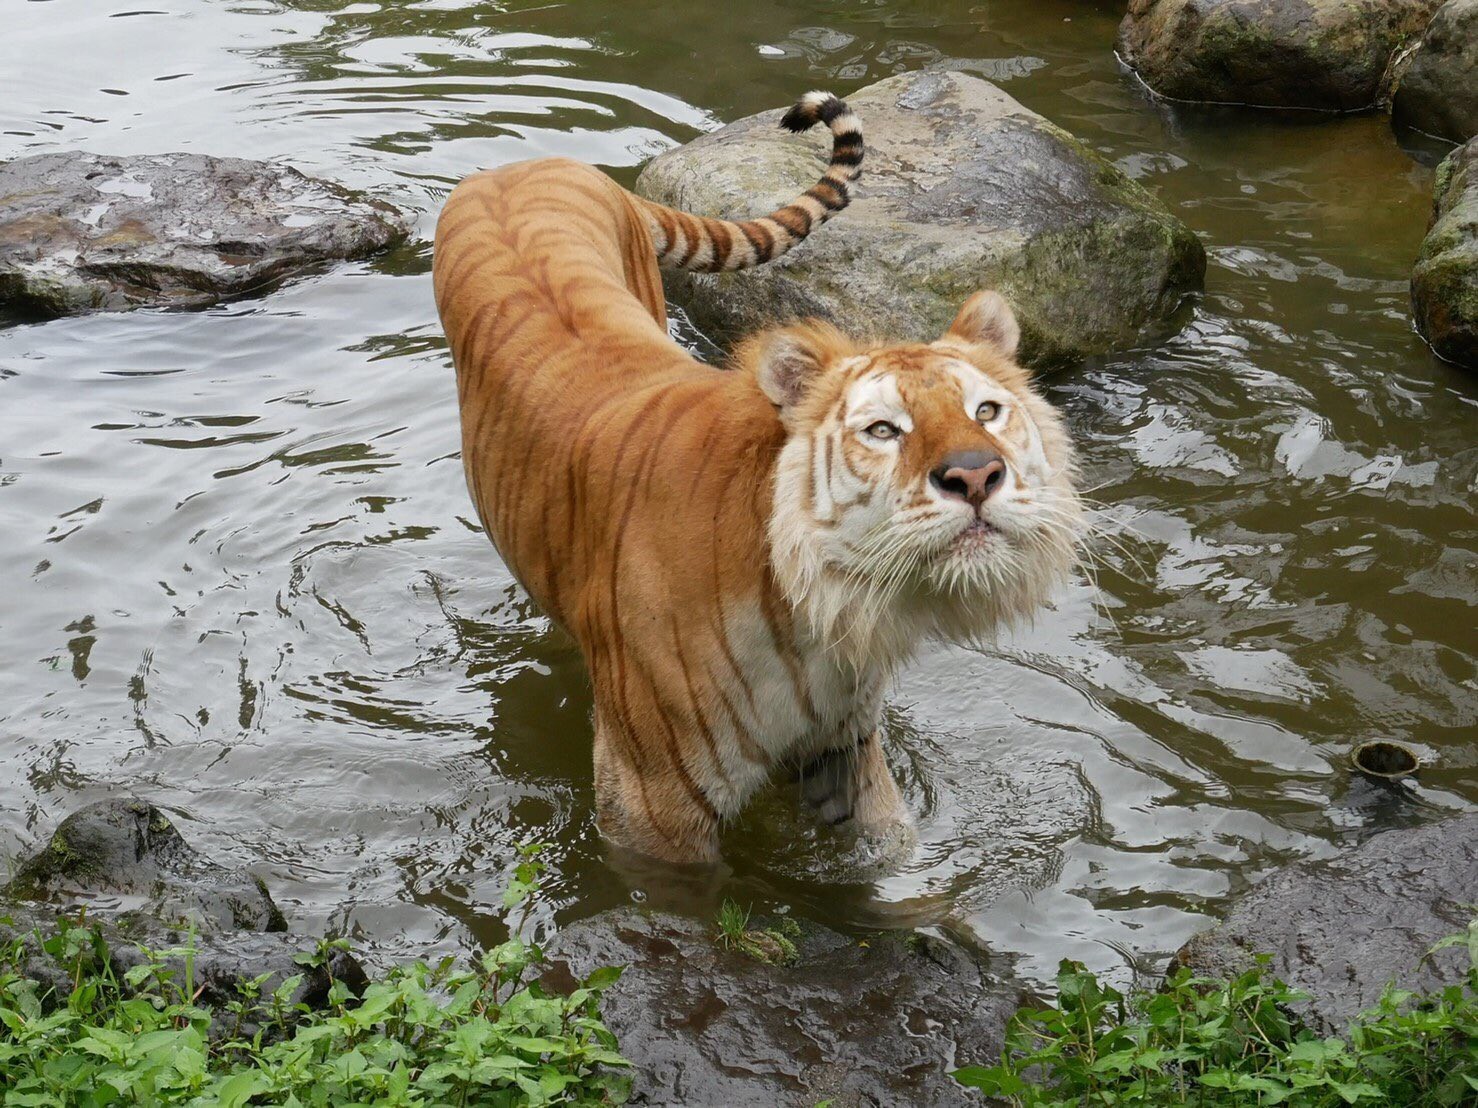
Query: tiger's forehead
(898, 381)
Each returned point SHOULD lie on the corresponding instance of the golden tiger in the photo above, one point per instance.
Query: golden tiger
(745, 555)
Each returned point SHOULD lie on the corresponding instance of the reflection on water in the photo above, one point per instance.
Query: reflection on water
(241, 575)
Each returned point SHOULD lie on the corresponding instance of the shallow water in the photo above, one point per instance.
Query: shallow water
(241, 577)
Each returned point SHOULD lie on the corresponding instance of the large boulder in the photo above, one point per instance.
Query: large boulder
(1444, 284)
(856, 1022)
(125, 855)
(962, 188)
(1273, 53)
(86, 231)
(1438, 93)
(1344, 928)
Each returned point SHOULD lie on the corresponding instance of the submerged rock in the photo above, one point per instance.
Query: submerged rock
(86, 231)
(1272, 53)
(963, 188)
(130, 854)
(1438, 93)
(873, 1022)
(1444, 284)
(1342, 929)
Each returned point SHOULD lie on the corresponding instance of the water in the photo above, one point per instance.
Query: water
(241, 577)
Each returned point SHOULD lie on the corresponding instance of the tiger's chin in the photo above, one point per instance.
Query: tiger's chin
(964, 587)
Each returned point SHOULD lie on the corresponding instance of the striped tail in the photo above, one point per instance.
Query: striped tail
(702, 245)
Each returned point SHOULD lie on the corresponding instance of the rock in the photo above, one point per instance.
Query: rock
(963, 188)
(1438, 92)
(1444, 284)
(1342, 929)
(120, 869)
(875, 1023)
(128, 848)
(218, 964)
(86, 231)
(1273, 53)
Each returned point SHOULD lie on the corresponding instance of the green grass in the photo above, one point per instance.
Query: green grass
(733, 923)
(772, 945)
(1206, 1041)
(486, 1034)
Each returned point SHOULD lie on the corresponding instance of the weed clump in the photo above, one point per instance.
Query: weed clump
(1232, 1041)
(775, 946)
(486, 1034)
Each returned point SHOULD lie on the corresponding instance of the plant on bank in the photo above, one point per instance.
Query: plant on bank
(422, 1035)
(1206, 1041)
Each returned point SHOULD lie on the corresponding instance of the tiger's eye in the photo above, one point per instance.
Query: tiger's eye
(884, 430)
(987, 411)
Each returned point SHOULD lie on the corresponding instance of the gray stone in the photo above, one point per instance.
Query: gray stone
(81, 231)
(1330, 54)
(120, 869)
(127, 855)
(962, 188)
(1444, 283)
(218, 963)
(874, 1022)
(1342, 929)
(1438, 92)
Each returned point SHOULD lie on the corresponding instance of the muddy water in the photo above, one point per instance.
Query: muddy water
(241, 578)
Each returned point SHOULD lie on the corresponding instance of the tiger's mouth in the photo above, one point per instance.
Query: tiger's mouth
(976, 537)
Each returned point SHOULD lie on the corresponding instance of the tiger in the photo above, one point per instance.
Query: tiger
(745, 554)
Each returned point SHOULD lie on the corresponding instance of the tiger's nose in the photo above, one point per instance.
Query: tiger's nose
(973, 476)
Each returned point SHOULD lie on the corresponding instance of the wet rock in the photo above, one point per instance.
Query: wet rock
(1342, 929)
(875, 1023)
(222, 962)
(121, 870)
(1274, 53)
(1438, 92)
(218, 965)
(963, 188)
(128, 854)
(86, 231)
(1444, 284)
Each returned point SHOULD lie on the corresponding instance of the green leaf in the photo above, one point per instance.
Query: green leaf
(604, 977)
(236, 1091)
(996, 1081)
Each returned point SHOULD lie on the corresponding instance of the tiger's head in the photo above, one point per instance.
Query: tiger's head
(923, 489)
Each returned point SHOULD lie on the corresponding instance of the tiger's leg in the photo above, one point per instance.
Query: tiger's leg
(641, 807)
(855, 783)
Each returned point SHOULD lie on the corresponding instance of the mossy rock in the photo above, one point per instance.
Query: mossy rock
(129, 849)
(1331, 54)
(1438, 92)
(1444, 283)
(962, 189)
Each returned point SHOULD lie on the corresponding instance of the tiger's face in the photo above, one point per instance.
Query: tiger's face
(923, 489)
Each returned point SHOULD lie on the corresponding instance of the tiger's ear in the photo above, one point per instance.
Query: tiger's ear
(787, 361)
(987, 320)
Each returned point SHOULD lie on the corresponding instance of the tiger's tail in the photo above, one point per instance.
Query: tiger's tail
(701, 245)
